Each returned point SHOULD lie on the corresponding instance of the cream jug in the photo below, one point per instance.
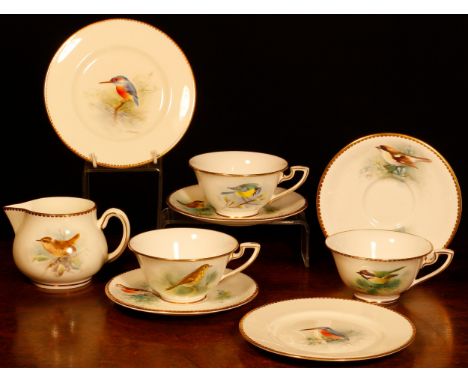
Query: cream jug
(59, 242)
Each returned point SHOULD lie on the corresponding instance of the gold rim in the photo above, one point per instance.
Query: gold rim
(179, 312)
(237, 175)
(182, 260)
(252, 219)
(113, 165)
(42, 214)
(330, 359)
(378, 260)
(240, 175)
(398, 135)
(236, 247)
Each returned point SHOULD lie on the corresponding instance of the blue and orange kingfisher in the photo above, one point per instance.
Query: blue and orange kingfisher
(125, 89)
(326, 334)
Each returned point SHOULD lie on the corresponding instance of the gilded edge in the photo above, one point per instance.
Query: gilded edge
(184, 260)
(113, 165)
(178, 312)
(379, 260)
(330, 359)
(50, 215)
(398, 135)
(237, 175)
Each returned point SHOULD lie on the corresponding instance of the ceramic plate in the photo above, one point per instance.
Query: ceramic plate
(327, 329)
(390, 181)
(131, 291)
(190, 201)
(120, 90)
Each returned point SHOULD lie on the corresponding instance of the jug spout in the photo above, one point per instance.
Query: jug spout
(16, 214)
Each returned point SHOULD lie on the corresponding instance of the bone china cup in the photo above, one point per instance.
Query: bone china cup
(183, 264)
(379, 265)
(239, 183)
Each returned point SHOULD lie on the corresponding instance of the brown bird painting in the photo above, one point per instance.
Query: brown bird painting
(396, 158)
(59, 248)
(193, 204)
(193, 278)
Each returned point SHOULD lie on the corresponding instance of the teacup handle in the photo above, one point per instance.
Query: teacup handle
(102, 223)
(237, 255)
(284, 178)
(431, 259)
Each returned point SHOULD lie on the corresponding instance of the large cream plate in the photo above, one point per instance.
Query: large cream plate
(362, 187)
(190, 201)
(93, 119)
(327, 329)
(131, 290)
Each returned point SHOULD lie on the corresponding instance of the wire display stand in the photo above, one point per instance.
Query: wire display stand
(166, 217)
(170, 217)
(154, 167)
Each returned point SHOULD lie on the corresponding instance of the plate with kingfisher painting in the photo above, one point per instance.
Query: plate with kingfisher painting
(190, 201)
(394, 182)
(327, 329)
(120, 93)
(131, 290)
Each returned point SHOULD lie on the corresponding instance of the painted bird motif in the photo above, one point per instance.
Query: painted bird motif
(193, 204)
(326, 334)
(135, 291)
(125, 89)
(246, 191)
(59, 248)
(379, 277)
(396, 158)
(193, 278)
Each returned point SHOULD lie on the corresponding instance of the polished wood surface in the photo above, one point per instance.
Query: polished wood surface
(84, 328)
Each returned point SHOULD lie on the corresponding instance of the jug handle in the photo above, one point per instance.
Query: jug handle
(102, 223)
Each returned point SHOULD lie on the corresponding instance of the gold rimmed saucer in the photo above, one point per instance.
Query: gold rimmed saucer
(190, 201)
(130, 290)
(327, 329)
(390, 181)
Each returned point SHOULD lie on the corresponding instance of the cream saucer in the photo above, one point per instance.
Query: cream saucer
(190, 201)
(327, 329)
(364, 187)
(131, 291)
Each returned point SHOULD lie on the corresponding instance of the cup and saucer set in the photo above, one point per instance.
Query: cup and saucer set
(388, 205)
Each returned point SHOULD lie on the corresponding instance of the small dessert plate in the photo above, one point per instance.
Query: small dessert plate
(120, 93)
(131, 291)
(393, 182)
(190, 201)
(327, 329)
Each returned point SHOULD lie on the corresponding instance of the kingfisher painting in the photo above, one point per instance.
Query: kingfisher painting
(324, 334)
(125, 89)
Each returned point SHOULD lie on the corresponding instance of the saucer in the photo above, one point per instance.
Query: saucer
(327, 329)
(190, 201)
(120, 92)
(131, 291)
(365, 187)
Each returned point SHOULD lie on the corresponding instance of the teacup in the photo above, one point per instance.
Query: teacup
(182, 265)
(378, 265)
(239, 183)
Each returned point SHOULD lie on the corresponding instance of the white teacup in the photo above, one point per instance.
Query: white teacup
(183, 264)
(379, 265)
(239, 183)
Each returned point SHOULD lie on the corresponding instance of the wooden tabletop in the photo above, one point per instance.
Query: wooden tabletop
(83, 328)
